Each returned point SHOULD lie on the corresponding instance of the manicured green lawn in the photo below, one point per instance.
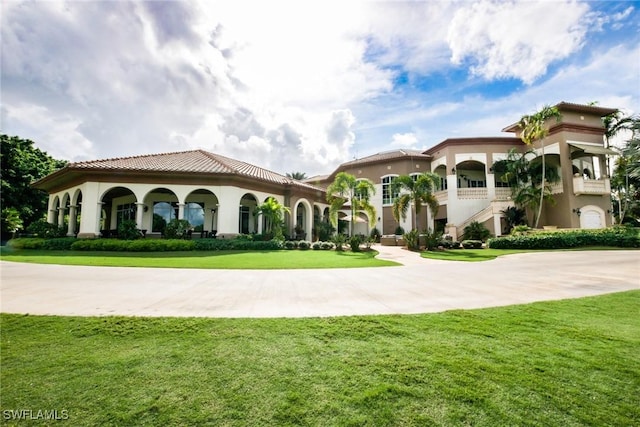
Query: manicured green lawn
(204, 259)
(489, 254)
(563, 363)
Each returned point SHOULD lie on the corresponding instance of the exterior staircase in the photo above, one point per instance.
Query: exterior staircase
(485, 214)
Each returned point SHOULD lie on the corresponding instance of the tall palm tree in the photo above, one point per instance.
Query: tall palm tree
(534, 128)
(346, 188)
(273, 213)
(299, 176)
(415, 192)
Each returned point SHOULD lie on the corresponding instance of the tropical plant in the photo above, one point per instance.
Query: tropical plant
(534, 128)
(357, 192)
(432, 239)
(339, 240)
(514, 216)
(128, 230)
(625, 180)
(11, 221)
(525, 178)
(415, 191)
(176, 229)
(323, 230)
(44, 229)
(476, 231)
(375, 235)
(273, 213)
(354, 243)
(412, 240)
(297, 175)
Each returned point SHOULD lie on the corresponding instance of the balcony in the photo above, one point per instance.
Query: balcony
(473, 193)
(595, 187)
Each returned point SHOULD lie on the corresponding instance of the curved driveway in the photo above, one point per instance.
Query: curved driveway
(419, 286)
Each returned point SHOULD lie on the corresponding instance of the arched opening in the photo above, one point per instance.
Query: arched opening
(53, 211)
(248, 223)
(118, 205)
(201, 210)
(301, 224)
(592, 217)
(471, 174)
(441, 171)
(161, 206)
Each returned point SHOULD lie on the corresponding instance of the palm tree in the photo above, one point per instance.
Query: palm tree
(273, 213)
(346, 188)
(526, 178)
(299, 176)
(533, 128)
(416, 191)
(613, 124)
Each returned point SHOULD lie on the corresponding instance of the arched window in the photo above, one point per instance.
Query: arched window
(387, 196)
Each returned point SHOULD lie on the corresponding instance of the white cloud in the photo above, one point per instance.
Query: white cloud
(516, 39)
(405, 140)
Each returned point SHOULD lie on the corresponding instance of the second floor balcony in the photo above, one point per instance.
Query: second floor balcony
(598, 187)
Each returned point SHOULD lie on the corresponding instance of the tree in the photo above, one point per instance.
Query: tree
(299, 176)
(21, 164)
(346, 188)
(415, 192)
(273, 213)
(529, 180)
(534, 128)
(626, 178)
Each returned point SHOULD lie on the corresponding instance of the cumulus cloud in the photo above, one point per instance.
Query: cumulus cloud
(291, 85)
(516, 39)
(406, 140)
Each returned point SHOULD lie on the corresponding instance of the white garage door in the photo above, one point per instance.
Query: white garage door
(591, 219)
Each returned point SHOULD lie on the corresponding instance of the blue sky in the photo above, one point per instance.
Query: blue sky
(302, 86)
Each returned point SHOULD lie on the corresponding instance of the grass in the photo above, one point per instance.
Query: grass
(204, 259)
(487, 254)
(569, 363)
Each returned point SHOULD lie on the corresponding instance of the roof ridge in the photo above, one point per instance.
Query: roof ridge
(139, 156)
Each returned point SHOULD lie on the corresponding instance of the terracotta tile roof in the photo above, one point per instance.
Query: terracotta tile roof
(387, 155)
(188, 162)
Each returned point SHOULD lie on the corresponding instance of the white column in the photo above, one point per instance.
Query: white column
(180, 210)
(98, 216)
(497, 225)
(139, 214)
(51, 216)
(61, 216)
(259, 223)
(71, 229)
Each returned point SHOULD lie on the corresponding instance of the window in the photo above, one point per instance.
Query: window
(163, 212)
(443, 184)
(125, 212)
(387, 197)
(194, 213)
(360, 193)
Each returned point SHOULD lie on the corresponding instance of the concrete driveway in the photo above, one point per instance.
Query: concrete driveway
(418, 286)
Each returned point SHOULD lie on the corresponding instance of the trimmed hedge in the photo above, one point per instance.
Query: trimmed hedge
(236, 245)
(143, 245)
(614, 237)
(472, 244)
(58, 244)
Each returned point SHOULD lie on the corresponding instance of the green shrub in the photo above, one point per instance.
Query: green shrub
(354, 243)
(412, 239)
(375, 235)
(613, 237)
(304, 245)
(476, 231)
(128, 230)
(42, 228)
(327, 246)
(432, 239)
(236, 244)
(472, 244)
(58, 244)
(339, 240)
(317, 246)
(177, 229)
(399, 231)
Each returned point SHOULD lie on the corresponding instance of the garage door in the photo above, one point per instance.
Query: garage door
(591, 219)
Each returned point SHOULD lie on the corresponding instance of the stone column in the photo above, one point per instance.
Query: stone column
(139, 213)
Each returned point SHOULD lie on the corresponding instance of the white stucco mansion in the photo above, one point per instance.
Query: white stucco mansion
(219, 194)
